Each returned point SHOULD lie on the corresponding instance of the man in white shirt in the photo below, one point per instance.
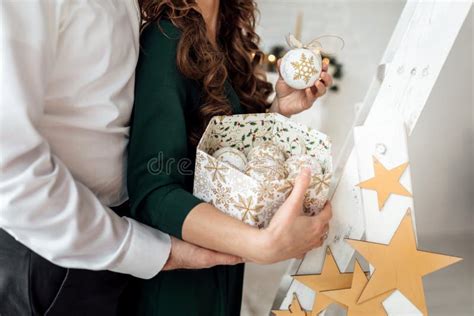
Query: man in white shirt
(67, 79)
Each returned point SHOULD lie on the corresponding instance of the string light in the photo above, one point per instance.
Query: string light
(271, 58)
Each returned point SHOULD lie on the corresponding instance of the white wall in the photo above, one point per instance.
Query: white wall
(442, 146)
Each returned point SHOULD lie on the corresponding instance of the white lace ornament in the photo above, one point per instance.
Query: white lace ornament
(301, 66)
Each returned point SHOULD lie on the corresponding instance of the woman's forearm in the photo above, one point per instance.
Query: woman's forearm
(208, 227)
(290, 233)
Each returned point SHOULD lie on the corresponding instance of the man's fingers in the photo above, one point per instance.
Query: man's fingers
(185, 255)
(213, 258)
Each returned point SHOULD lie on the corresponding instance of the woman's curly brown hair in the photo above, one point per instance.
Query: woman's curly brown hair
(237, 57)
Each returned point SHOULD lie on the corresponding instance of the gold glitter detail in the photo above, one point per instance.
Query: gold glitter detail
(217, 170)
(304, 68)
(248, 208)
(321, 182)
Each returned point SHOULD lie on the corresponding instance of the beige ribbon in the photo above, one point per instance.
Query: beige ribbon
(332, 44)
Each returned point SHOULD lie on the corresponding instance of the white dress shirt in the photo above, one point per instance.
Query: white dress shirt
(67, 80)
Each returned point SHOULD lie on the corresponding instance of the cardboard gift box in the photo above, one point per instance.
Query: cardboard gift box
(237, 194)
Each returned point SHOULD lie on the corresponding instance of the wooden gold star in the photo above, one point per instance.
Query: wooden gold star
(348, 298)
(386, 182)
(330, 278)
(294, 309)
(400, 265)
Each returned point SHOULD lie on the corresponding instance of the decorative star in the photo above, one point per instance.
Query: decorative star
(294, 309)
(400, 265)
(386, 182)
(330, 278)
(349, 297)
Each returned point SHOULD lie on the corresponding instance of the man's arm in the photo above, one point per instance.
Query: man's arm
(41, 204)
(188, 256)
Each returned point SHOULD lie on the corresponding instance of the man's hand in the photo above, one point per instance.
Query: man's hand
(188, 256)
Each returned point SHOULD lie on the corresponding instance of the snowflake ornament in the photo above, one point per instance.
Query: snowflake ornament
(304, 68)
(300, 68)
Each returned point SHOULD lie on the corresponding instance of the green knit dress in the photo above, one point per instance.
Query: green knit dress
(160, 187)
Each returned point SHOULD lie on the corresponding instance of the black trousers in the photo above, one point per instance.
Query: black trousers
(31, 285)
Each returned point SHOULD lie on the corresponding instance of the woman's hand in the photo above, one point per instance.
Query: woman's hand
(291, 234)
(289, 101)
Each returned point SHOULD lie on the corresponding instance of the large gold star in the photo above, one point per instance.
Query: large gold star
(330, 278)
(400, 265)
(294, 309)
(386, 182)
(349, 297)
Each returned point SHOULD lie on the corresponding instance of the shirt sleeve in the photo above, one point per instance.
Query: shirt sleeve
(41, 204)
(158, 160)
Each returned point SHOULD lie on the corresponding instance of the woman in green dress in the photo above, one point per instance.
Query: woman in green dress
(199, 59)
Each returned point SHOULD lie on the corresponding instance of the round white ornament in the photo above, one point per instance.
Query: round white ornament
(266, 169)
(295, 163)
(267, 149)
(300, 68)
(231, 156)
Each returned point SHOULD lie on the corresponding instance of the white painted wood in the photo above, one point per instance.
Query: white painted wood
(411, 64)
(418, 60)
(398, 305)
(381, 224)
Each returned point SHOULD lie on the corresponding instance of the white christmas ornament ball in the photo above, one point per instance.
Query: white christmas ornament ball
(300, 68)
(231, 156)
(295, 163)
